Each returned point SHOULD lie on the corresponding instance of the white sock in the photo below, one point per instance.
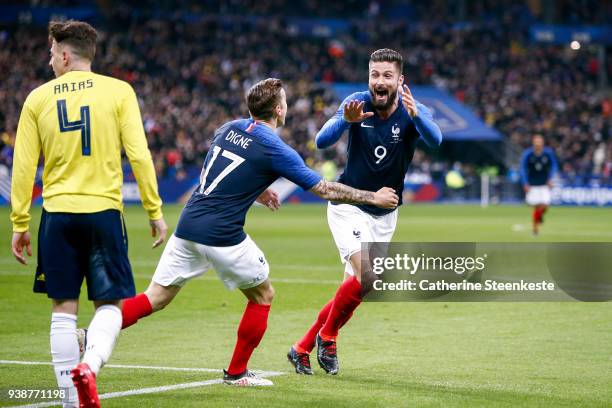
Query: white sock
(101, 336)
(65, 354)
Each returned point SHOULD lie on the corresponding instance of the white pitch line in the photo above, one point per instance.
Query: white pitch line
(141, 367)
(145, 367)
(140, 391)
(127, 393)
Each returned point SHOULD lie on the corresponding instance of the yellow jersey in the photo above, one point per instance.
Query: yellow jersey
(80, 121)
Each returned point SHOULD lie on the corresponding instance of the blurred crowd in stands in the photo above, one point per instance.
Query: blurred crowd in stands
(191, 74)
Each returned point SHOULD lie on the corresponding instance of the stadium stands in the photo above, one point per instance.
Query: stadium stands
(190, 70)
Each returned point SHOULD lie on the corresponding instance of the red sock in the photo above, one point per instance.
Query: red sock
(250, 332)
(540, 213)
(536, 215)
(347, 298)
(135, 308)
(306, 344)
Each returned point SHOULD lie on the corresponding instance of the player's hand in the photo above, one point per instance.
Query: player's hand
(21, 240)
(526, 188)
(158, 227)
(270, 199)
(353, 111)
(386, 198)
(408, 101)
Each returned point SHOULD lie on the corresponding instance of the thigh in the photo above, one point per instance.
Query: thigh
(538, 195)
(60, 269)
(349, 227)
(546, 195)
(239, 266)
(181, 261)
(383, 227)
(261, 294)
(102, 239)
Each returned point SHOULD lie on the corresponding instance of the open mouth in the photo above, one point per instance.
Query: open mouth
(381, 95)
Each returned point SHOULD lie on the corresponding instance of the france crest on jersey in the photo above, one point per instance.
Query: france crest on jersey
(244, 159)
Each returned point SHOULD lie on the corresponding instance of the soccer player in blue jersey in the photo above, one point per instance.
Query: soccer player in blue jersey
(80, 121)
(538, 167)
(246, 156)
(384, 125)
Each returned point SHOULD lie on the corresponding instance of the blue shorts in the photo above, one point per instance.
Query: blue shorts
(93, 246)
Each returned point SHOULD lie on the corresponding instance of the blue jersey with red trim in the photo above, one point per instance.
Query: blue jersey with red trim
(244, 159)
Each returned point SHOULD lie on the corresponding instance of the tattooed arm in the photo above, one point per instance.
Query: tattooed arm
(338, 192)
(287, 163)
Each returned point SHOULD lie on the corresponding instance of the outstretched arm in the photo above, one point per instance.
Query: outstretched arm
(422, 118)
(427, 128)
(351, 110)
(338, 192)
(331, 131)
(287, 163)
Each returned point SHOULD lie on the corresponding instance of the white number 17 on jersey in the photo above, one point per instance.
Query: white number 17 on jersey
(236, 161)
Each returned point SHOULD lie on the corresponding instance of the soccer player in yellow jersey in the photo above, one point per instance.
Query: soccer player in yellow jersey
(81, 121)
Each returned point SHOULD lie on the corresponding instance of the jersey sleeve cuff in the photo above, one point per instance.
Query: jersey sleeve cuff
(155, 215)
(21, 227)
(313, 184)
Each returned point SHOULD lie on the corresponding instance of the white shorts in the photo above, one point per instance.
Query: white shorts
(240, 266)
(538, 195)
(351, 226)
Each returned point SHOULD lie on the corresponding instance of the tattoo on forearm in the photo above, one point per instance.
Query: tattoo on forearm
(339, 192)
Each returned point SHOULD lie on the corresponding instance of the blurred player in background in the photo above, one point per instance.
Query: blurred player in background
(538, 167)
(384, 124)
(246, 156)
(80, 121)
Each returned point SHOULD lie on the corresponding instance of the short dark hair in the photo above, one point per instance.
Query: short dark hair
(263, 97)
(80, 36)
(388, 55)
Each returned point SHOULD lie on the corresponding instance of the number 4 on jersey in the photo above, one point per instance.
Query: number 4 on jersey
(236, 161)
(84, 125)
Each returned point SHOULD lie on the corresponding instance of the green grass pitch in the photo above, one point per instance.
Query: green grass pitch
(391, 354)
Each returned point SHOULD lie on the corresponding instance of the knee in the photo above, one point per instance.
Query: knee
(268, 295)
(356, 266)
(357, 272)
(265, 297)
(366, 279)
(70, 306)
